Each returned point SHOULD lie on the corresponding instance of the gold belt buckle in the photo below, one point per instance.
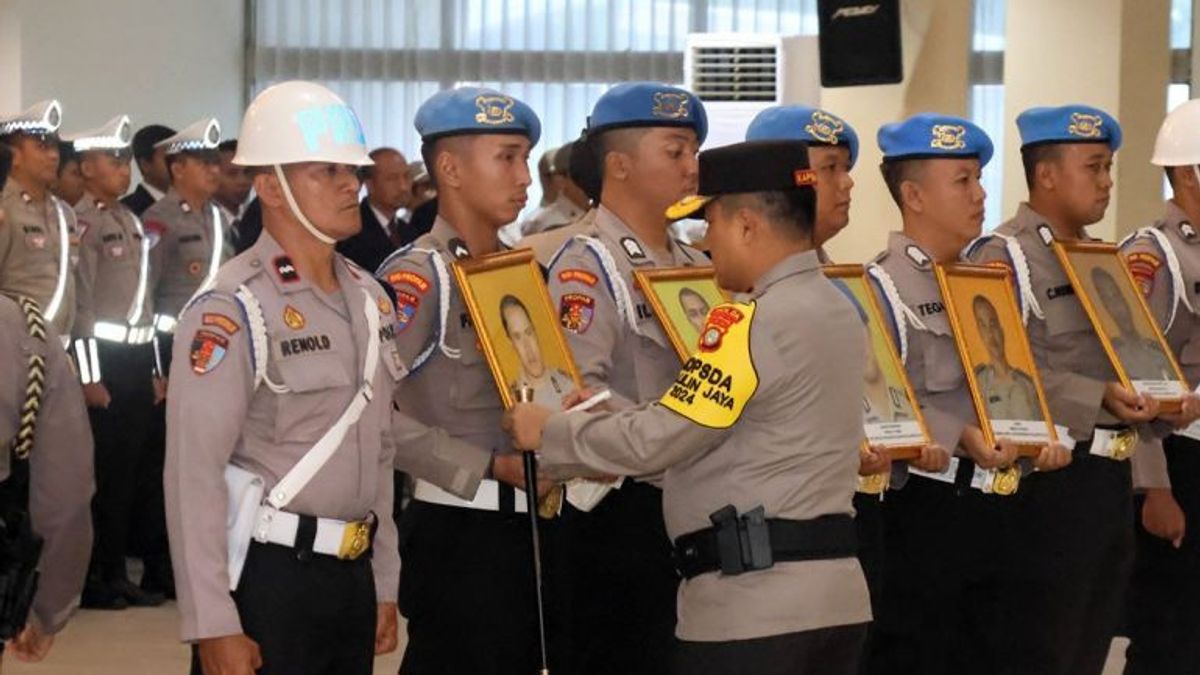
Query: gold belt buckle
(875, 484)
(356, 539)
(1006, 481)
(551, 504)
(1123, 444)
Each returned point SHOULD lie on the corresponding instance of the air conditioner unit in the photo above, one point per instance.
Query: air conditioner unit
(738, 74)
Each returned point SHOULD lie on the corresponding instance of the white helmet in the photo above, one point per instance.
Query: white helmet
(1178, 142)
(299, 121)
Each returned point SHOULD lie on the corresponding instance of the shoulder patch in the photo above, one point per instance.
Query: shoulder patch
(632, 248)
(1186, 229)
(1046, 234)
(716, 383)
(407, 305)
(577, 275)
(221, 321)
(916, 255)
(409, 278)
(208, 350)
(575, 312)
(1143, 266)
(285, 269)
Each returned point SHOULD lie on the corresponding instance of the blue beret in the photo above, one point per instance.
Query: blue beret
(475, 110)
(802, 123)
(1069, 124)
(933, 136)
(648, 104)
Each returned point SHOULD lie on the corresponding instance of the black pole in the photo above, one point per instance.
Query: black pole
(531, 505)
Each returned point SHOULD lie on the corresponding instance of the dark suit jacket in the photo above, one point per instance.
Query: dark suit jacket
(139, 200)
(371, 245)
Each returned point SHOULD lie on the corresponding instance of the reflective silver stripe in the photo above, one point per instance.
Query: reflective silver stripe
(112, 332)
(64, 262)
(140, 335)
(81, 360)
(139, 300)
(164, 323)
(95, 360)
(214, 263)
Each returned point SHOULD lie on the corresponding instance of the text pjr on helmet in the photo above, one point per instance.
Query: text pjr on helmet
(300, 121)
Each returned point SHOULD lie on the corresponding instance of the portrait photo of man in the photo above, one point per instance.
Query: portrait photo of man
(883, 401)
(1140, 355)
(549, 384)
(1008, 391)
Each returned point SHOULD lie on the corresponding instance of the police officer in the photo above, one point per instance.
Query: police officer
(944, 601)
(583, 169)
(1165, 261)
(152, 165)
(759, 433)
(467, 590)
(39, 245)
(60, 459)
(568, 202)
(285, 375)
(644, 137)
(1074, 560)
(113, 333)
(68, 186)
(188, 244)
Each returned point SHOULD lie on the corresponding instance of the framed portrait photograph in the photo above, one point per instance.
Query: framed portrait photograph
(1133, 341)
(681, 297)
(518, 330)
(891, 416)
(994, 348)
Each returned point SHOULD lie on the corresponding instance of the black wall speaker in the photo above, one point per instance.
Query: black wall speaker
(859, 42)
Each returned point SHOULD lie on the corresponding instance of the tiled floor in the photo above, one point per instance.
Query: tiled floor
(145, 642)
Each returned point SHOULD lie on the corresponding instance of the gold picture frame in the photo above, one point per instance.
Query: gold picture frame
(1002, 375)
(1147, 351)
(903, 438)
(678, 296)
(495, 289)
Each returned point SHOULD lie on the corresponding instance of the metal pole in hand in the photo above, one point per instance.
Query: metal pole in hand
(525, 395)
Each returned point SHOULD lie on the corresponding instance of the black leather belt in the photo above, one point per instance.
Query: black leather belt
(749, 542)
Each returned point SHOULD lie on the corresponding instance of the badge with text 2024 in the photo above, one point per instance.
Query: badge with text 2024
(715, 384)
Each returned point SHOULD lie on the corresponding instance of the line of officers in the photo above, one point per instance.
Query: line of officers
(728, 546)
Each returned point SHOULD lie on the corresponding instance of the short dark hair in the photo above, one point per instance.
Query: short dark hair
(584, 168)
(793, 212)
(5, 163)
(1032, 155)
(368, 170)
(895, 172)
(146, 138)
(621, 139)
(508, 302)
(228, 146)
(66, 155)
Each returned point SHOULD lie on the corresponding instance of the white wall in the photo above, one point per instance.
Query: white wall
(167, 61)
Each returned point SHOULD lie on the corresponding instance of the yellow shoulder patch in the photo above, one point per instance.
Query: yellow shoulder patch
(715, 384)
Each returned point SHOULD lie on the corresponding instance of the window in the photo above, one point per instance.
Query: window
(986, 99)
(387, 56)
(1180, 87)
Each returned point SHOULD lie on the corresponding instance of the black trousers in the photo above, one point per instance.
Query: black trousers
(310, 614)
(150, 522)
(624, 584)
(947, 589)
(467, 591)
(868, 526)
(120, 434)
(1073, 563)
(827, 651)
(1164, 597)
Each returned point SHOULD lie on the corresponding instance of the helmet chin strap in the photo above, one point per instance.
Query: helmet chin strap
(291, 200)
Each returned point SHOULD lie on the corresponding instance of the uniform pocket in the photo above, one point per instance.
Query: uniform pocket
(320, 390)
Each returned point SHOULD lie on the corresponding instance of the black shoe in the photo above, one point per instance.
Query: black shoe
(136, 596)
(156, 583)
(99, 595)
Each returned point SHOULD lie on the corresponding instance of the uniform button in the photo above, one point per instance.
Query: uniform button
(255, 263)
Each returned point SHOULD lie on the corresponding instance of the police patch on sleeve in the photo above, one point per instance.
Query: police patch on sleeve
(208, 350)
(1143, 266)
(407, 305)
(716, 383)
(575, 312)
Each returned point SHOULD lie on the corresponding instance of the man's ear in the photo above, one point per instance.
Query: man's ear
(912, 196)
(1045, 175)
(449, 169)
(268, 189)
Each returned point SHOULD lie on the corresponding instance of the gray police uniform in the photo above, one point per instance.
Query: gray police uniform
(466, 589)
(38, 251)
(217, 413)
(1010, 396)
(789, 447)
(946, 543)
(115, 314)
(625, 581)
(1162, 623)
(1074, 524)
(60, 471)
(188, 248)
